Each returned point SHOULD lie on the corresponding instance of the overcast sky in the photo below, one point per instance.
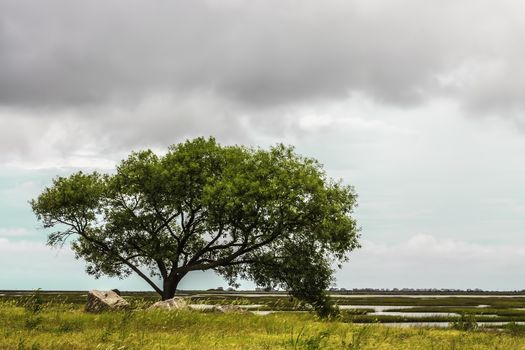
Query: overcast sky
(418, 104)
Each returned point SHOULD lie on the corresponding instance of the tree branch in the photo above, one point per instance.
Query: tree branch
(227, 260)
(122, 259)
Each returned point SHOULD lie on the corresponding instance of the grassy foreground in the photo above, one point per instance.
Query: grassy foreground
(68, 327)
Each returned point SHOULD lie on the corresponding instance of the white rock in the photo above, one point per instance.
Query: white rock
(176, 303)
(98, 301)
(226, 309)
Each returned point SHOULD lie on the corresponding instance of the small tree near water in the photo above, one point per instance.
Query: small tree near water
(270, 216)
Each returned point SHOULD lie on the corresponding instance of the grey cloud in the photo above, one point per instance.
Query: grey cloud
(260, 53)
(428, 261)
(50, 136)
(102, 77)
(500, 91)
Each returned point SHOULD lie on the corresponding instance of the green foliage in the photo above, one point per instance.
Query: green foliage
(359, 338)
(271, 216)
(315, 341)
(67, 327)
(32, 322)
(34, 302)
(465, 322)
(516, 329)
(302, 341)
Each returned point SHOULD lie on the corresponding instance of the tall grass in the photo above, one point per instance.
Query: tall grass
(63, 326)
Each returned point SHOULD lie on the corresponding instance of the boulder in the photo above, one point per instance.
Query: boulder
(99, 301)
(226, 309)
(176, 303)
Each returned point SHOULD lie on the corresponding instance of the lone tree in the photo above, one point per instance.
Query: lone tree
(270, 216)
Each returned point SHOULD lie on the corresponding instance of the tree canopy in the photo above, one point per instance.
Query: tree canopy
(270, 216)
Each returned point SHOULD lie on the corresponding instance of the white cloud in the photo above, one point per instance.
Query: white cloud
(30, 265)
(27, 264)
(14, 232)
(428, 261)
(426, 247)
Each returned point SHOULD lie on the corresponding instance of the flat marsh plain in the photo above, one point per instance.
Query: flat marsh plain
(56, 320)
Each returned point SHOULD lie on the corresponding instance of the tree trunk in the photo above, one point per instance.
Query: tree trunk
(170, 287)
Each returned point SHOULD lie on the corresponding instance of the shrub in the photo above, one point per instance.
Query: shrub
(34, 302)
(465, 322)
(515, 329)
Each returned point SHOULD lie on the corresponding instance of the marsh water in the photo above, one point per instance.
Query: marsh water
(396, 311)
(378, 310)
(401, 310)
(443, 324)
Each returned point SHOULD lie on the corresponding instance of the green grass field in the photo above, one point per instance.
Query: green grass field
(57, 321)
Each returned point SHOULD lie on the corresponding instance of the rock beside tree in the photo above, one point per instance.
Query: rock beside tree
(227, 309)
(176, 303)
(99, 301)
